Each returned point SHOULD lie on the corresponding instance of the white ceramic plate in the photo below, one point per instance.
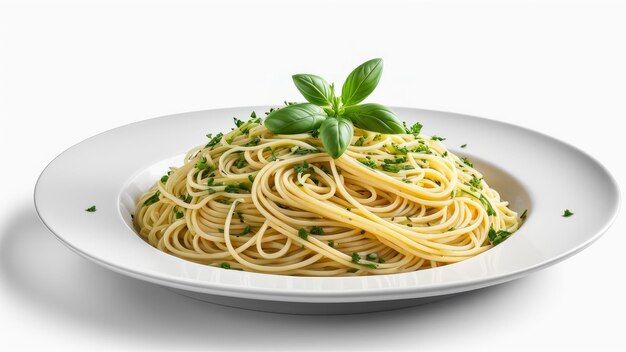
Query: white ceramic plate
(531, 170)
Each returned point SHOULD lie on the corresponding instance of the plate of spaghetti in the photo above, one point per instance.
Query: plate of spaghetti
(328, 206)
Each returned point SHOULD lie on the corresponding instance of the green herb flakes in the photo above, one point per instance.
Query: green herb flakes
(367, 162)
(303, 234)
(317, 230)
(496, 237)
(467, 162)
(153, 199)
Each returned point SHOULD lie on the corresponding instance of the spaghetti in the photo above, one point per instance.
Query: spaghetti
(279, 204)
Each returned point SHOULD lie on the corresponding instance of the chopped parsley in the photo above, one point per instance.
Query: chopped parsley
(463, 145)
(211, 191)
(225, 265)
(246, 230)
(381, 260)
(213, 141)
(356, 258)
(153, 199)
(378, 137)
(395, 168)
(567, 213)
(251, 178)
(241, 161)
(303, 168)
(202, 164)
(317, 230)
(368, 162)
(496, 237)
(253, 142)
(236, 187)
(273, 156)
(400, 149)
(164, 178)
(415, 129)
(445, 154)
(524, 214)
(238, 122)
(487, 205)
(396, 160)
(303, 151)
(467, 162)
(186, 199)
(475, 182)
(437, 138)
(359, 142)
(178, 214)
(372, 256)
(331, 244)
(91, 209)
(422, 148)
(303, 234)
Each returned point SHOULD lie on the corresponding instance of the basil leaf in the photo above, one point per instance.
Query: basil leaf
(336, 134)
(361, 82)
(297, 118)
(375, 118)
(314, 88)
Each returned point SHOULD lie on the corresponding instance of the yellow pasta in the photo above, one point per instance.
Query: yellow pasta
(279, 204)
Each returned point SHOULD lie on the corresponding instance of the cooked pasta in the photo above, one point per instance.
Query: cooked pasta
(279, 204)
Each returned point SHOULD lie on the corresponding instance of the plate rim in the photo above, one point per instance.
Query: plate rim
(369, 294)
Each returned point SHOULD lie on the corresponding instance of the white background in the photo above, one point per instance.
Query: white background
(69, 71)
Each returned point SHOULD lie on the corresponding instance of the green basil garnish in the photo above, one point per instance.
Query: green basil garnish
(298, 118)
(375, 118)
(336, 135)
(361, 82)
(314, 89)
(335, 116)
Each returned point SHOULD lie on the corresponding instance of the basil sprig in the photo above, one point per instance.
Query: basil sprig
(361, 82)
(297, 118)
(335, 116)
(336, 134)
